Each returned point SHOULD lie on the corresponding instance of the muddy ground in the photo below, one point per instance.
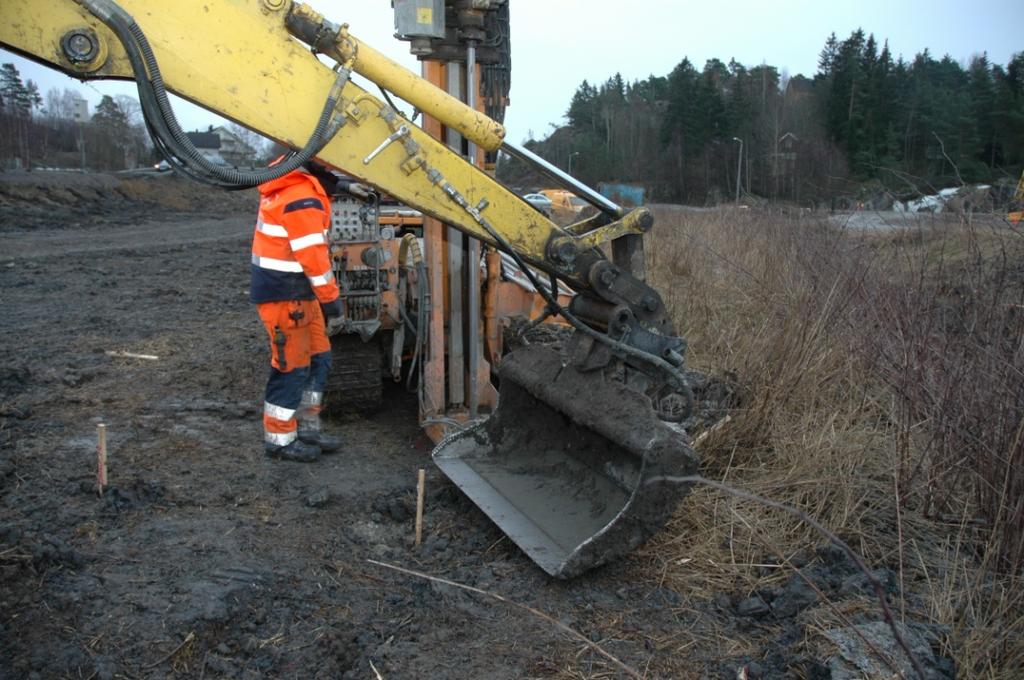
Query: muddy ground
(205, 559)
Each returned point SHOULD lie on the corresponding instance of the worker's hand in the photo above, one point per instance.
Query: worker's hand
(360, 190)
(333, 319)
(334, 325)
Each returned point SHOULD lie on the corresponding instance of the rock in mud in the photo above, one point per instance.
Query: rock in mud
(855, 658)
(220, 667)
(755, 670)
(137, 494)
(435, 545)
(752, 606)
(793, 597)
(319, 498)
(399, 510)
(835, 557)
(393, 506)
(77, 373)
(666, 597)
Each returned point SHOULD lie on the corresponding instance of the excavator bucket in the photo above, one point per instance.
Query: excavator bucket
(567, 466)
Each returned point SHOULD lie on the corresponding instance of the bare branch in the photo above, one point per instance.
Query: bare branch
(942, 147)
(628, 670)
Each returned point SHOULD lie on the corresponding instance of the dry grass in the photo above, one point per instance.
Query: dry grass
(883, 387)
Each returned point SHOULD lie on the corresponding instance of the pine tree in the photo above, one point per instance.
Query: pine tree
(112, 134)
(582, 110)
(17, 111)
(1008, 112)
(32, 96)
(827, 57)
(982, 103)
(16, 96)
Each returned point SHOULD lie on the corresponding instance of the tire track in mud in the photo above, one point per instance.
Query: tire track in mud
(62, 242)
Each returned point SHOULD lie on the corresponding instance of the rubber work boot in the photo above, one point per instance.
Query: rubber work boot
(313, 435)
(309, 423)
(297, 451)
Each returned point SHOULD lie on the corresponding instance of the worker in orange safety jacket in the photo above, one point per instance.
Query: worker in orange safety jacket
(298, 301)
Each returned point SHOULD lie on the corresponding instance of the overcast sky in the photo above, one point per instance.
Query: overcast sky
(556, 44)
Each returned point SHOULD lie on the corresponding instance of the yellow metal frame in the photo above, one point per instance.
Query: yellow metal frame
(426, 96)
(1017, 216)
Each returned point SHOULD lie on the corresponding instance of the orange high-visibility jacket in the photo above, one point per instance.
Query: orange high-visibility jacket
(290, 256)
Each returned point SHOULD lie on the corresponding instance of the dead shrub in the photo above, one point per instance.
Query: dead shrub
(950, 344)
(884, 375)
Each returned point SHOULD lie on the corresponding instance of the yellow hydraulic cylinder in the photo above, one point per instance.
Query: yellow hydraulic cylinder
(310, 26)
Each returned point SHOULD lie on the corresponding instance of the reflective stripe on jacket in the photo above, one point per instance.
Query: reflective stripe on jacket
(290, 256)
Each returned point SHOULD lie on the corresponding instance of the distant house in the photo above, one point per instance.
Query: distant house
(79, 109)
(799, 87)
(221, 146)
(208, 144)
(785, 157)
(233, 149)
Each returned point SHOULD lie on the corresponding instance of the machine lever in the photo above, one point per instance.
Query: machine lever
(402, 131)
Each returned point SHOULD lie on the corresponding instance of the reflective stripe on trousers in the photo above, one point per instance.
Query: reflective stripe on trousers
(280, 438)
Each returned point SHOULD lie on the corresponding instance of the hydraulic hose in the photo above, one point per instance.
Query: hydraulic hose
(409, 253)
(163, 127)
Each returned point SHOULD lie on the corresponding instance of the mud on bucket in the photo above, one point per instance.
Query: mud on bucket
(560, 466)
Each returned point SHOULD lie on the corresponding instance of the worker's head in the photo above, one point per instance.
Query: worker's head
(323, 174)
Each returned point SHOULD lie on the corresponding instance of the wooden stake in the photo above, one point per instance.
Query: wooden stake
(131, 355)
(101, 458)
(420, 483)
(711, 430)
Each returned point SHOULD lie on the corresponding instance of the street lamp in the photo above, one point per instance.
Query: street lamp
(574, 153)
(739, 168)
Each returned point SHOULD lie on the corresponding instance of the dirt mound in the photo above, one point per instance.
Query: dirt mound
(42, 200)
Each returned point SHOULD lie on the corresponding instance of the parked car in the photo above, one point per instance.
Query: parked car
(564, 203)
(541, 202)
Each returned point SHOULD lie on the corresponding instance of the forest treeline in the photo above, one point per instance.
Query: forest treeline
(865, 115)
(57, 130)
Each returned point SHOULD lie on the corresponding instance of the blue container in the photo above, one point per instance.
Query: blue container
(628, 195)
